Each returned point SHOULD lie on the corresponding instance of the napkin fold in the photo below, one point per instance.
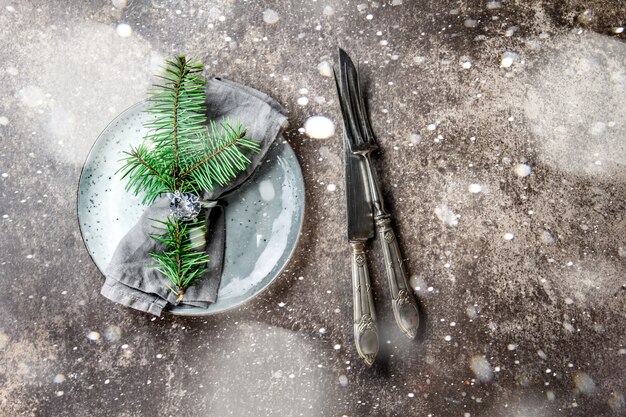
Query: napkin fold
(130, 279)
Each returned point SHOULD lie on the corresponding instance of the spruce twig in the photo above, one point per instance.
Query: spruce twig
(183, 261)
(183, 153)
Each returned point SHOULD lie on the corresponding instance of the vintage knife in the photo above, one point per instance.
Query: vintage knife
(362, 143)
(360, 230)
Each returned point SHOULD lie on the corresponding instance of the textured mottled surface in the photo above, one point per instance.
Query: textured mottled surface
(502, 127)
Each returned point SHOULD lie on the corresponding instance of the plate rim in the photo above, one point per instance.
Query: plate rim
(196, 311)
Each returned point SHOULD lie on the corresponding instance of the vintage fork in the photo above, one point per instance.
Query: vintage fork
(363, 143)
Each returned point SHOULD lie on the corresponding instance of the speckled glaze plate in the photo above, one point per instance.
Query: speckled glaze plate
(263, 217)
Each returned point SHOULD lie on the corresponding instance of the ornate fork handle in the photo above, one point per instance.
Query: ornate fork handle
(365, 330)
(403, 302)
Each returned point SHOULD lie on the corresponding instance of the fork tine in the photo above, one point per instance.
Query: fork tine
(361, 129)
(345, 106)
(348, 108)
(363, 115)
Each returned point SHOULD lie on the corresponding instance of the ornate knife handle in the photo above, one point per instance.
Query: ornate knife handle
(365, 330)
(403, 302)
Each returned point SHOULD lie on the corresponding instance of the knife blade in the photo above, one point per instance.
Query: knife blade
(360, 219)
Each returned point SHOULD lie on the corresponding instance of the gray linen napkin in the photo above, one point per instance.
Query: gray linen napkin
(130, 279)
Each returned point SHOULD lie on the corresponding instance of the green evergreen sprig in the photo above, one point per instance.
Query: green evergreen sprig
(183, 261)
(183, 153)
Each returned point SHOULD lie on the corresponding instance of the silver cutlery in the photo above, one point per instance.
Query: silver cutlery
(360, 230)
(361, 142)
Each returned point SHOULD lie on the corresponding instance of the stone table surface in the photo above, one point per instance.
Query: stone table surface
(502, 127)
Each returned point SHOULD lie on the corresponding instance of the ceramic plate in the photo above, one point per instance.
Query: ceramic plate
(263, 217)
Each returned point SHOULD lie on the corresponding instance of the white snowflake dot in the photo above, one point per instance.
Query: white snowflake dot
(124, 30)
(93, 335)
(522, 170)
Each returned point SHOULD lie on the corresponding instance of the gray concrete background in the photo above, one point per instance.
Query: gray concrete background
(502, 128)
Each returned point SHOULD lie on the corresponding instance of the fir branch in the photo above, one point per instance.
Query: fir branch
(143, 172)
(222, 156)
(182, 154)
(140, 160)
(183, 261)
(179, 109)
